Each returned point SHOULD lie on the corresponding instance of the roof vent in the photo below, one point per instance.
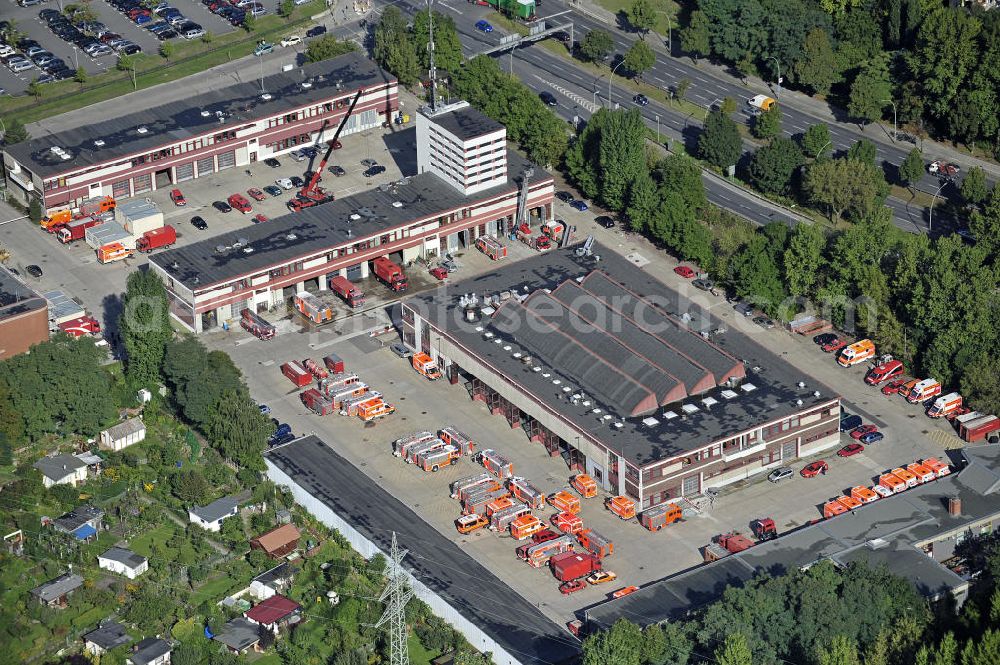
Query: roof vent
(816, 393)
(877, 543)
(488, 335)
(516, 354)
(618, 425)
(248, 250)
(220, 248)
(175, 266)
(55, 150)
(206, 114)
(291, 236)
(606, 417)
(243, 241)
(801, 384)
(196, 279)
(506, 347)
(306, 85)
(596, 410)
(536, 368)
(546, 375)
(479, 329)
(498, 341)
(397, 204)
(355, 216)
(798, 402)
(99, 143)
(142, 129)
(556, 382)
(567, 389)
(748, 387)
(267, 96)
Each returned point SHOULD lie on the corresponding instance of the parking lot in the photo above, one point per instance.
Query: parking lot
(28, 22)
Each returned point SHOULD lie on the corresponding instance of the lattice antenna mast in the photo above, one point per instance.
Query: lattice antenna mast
(430, 51)
(395, 596)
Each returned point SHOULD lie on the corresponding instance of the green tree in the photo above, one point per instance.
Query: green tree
(597, 45)
(695, 35)
(728, 106)
(734, 651)
(720, 142)
(393, 49)
(985, 223)
(974, 185)
(190, 486)
(870, 90)
(34, 89)
(818, 68)
(468, 656)
(80, 76)
(641, 15)
(979, 383)
(767, 125)
(145, 327)
(238, 430)
(608, 156)
(681, 175)
(447, 46)
(327, 47)
(803, 259)
(249, 23)
(642, 202)
(285, 8)
(35, 210)
(816, 140)
(863, 150)
(984, 650)
(6, 450)
(207, 37)
(912, 168)
(639, 58)
(125, 63)
(773, 166)
(843, 185)
(620, 645)
(840, 651)
(16, 132)
(946, 52)
(756, 276)
(167, 48)
(681, 89)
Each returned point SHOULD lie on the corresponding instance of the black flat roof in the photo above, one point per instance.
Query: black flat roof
(314, 230)
(183, 119)
(466, 122)
(475, 592)
(775, 393)
(15, 297)
(881, 533)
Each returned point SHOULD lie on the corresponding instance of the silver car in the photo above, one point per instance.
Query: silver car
(780, 474)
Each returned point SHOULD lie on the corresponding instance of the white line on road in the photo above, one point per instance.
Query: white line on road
(585, 103)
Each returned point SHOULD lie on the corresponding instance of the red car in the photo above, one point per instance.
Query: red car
(258, 218)
(893, 386)
(813, 469)
(684, 272)
(859, 432)
(566, 588)
(439, 272)
(240, 202)
(850, 450)
(256, 194)
(177, 197)
(544, 536)
(834, 346)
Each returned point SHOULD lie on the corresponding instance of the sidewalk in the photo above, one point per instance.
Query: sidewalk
(802, 102)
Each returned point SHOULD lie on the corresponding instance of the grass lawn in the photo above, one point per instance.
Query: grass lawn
(162, 534)
(418, 654)
(663, 9)
(215, 588)
(188, 58)
(265, 659)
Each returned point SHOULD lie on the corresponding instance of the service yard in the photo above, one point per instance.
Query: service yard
(640, 556)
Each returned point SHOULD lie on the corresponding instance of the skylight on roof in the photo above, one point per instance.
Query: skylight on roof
(669, 415)
(728, 394)
(748, 387)
(689, 408)
(650, 421)
(709, 401)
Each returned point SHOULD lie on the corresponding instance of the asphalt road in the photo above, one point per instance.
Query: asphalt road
(580, 93)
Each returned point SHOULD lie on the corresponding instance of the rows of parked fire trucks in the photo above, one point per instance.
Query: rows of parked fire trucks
(892, 482)
(971, 425)
(336, 390)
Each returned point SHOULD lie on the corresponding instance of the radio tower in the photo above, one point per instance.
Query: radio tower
(430, 51)
(395, 596)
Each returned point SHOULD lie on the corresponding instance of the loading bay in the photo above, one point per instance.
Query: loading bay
(640, 556)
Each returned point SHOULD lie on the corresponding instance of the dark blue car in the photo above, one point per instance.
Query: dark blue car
(872, 437)
(579, 205)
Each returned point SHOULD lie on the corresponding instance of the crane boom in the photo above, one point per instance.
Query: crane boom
(310, 187)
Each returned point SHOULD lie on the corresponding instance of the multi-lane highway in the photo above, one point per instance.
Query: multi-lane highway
(580, 93)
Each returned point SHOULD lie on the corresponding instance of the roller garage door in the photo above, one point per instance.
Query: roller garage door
(120, 189)
(142, 183)
(185, 172)
(227, 160)
(206, 166)
(354, 273)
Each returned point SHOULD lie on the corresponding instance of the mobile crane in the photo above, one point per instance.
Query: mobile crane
(311, 193)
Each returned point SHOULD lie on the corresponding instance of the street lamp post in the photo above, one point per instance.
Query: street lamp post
(657, 128)
(930, 216)
(778, 65)
(611, 76)
(895, 127)
(597, 81)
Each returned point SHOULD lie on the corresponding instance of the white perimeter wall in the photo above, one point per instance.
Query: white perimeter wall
(475, 636)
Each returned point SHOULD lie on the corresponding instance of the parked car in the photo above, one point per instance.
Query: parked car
(872, 437)
(684, 271)
(177, 197)
(763, 322)
(400, 350)
(602, 576)
(374, 171)
(780, 474)
(291, 40)
(297, 155)
(264, 409)
(703, 284)
(256, 194)
(859, 432)
(849, 422)
(572, 586)
(439, 273)
(221, 206)
(850, 450)
(337, 171)
(548, 98)
(368, 163)
(316, 31)
(199, 223)
(743, 308)
(824, 338)
(641, 100)
(33, 270)
(565, 197)
(297, 181)
(484, 26)
(273, 190)
(813, 469)
(894, 385)
(284, 183)
(835, 345)
(580, 205)
(263, 49)
(260, 218)
(272, 162)
(605, 222)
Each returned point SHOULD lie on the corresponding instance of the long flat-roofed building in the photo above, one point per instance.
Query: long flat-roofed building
(423, 215)
(232, 126)
(621, 376)
(24, 316)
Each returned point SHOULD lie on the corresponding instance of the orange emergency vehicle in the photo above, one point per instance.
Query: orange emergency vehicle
(622, 506)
